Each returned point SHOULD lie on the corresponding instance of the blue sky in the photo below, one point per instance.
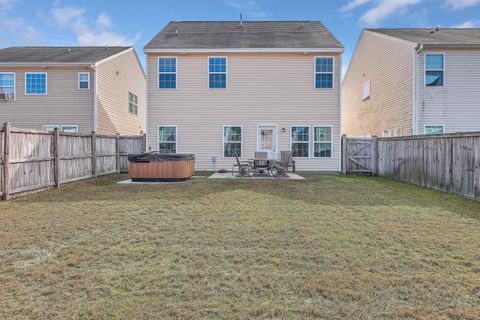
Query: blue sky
(95, 22)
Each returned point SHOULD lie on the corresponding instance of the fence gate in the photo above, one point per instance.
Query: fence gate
(358, 155)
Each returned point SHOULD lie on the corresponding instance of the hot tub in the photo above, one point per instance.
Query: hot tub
(156, 166)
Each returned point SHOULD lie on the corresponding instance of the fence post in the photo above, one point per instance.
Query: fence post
(6, 160)
(94, 154)
(344, 154)
(375, 156)
(118, 151)
(56, 153)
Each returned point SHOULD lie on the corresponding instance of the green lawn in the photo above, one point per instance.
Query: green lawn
(329, 247)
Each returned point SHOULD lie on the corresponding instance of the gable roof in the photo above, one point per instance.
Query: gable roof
(57, 55)
(444, 37)
(228, 35)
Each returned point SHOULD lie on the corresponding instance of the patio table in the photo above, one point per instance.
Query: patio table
(262, 166)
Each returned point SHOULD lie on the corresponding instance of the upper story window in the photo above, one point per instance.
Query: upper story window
(132, 103)
(324, 72)
(366, 90)
(64, 128)
(84, 80)
(7, 86)
(300, 141)
(434, 69)
(217, 72)
(36, 83)
(167, 72)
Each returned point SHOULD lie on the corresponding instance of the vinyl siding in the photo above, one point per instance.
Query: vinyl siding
(273, 89)
(388, 63)
(117, 77)
(64, 103)
(457, 104)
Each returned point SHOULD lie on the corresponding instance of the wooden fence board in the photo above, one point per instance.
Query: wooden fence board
(38, 160)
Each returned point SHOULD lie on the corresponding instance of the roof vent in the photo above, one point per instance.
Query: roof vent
(302, 26)
(241, 20)
(106, 47)
(69, 51)
(437, 28)
(176, 33)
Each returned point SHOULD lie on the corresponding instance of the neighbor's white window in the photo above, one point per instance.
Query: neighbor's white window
(324, 72)
(70, 128)
(300, 141)
(434, 69)
(217, 72)
(433, 129)
(84, 80)
(232, 141)
(132, 103)
(51, 127)
(322, 142)
(167, 72)
(7, 86)
(35, 83)
(366, 90)
(167, 139)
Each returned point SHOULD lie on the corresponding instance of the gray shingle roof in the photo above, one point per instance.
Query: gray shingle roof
(253, 34)
(442, 37)
(77, 55)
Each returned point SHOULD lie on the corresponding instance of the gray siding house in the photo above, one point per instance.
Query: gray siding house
(413, 82)
(75, 89)
(216, 89)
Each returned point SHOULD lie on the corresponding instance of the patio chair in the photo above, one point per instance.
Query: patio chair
(243, 167)
(281, 166)
(286, 156)
(261, 163)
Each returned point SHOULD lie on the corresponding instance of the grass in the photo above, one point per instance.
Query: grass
(329, 247)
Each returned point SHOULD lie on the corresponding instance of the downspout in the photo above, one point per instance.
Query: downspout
(416, 53)
(94, 98)
(146, 104)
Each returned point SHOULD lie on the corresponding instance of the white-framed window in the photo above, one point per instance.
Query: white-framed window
(132, 103)
(366, 90)
(36, 83)
(84, 80)
(322, 142)
(324, 67)
(434, 129)
(69, 128)
(300, 141)
(7, 85)
(434, 69)
(217, 72)
(393, 132)
(167, 72)
(167, 139)
(232, 141)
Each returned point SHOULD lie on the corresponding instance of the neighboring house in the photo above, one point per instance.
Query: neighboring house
(216, 89)
(413, 82)
(76, 89)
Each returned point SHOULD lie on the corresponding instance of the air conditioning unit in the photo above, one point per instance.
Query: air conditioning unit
(7, 96)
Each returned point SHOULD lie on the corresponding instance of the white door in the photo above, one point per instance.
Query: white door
(267, 140)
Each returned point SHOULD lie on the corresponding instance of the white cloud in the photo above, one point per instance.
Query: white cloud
(383, 9)
(353, 4)
(461, 4)
(93, 33)
(15, 30)
(467, 24)
(7, 5)
(249, 8)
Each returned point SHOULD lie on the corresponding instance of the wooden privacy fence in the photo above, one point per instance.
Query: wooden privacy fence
(33, 160)
(449, 162)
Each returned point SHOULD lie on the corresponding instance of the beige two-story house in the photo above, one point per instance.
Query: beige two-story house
(75, 89)
(413, 82)
(225, 88)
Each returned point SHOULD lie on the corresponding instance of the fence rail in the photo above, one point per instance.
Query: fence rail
(449, 162)
(34, 160)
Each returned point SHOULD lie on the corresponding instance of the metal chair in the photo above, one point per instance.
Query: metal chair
(281, 166)
(286, 156)
(261, 163)
(243, 167)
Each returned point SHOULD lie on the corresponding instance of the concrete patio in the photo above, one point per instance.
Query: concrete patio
(229, 175)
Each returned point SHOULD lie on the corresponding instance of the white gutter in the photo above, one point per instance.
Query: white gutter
(146, 106)
(416, 52)
(47, 64)
(249, 50)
